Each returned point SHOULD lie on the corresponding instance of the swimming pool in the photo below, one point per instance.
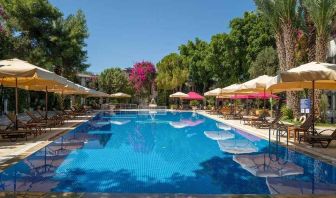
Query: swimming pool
(166, 152)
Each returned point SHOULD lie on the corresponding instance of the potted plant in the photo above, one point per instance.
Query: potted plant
(194, 104)
(173, 106)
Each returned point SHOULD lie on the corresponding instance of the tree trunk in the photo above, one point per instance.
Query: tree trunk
(321, 48)
(289, 42)
(311, 35)
(281, 51)
(311, 43)
(321, 56)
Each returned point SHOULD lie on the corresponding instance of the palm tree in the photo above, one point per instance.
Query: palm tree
(287, 12)
(310, 32)
(321, 13)
(282, 16)
(268, 10)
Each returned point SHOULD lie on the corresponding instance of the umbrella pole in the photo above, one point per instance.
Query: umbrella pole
(46, 103)
(62, 98)
(16, 103)
(235, 105)
(264, 99)
(313, 107)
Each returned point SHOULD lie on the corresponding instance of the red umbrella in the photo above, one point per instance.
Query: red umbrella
(256, 95)
(264, 96)
(242, 97)
(194, 96)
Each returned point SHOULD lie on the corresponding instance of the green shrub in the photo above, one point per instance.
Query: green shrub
(173, 106)
(287, 113)
(194, 103)
(210, 106)
(324, 104)
(211, 101)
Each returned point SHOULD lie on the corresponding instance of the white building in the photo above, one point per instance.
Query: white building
(332, 94)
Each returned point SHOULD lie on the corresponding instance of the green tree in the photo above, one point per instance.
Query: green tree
(194, 54)
(250, 35)
(221, 59)
(30, 23)
(171, 72)
(114, 80)
(38, 33)
(231, 55)
(268, 10)
(266, 63)
(68, 45)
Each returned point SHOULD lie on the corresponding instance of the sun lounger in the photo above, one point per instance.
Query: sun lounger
(305, 128)
(323, 140)
(269, 124)
(41, 120)
(13, 135)
(52, 117)
(35, 128)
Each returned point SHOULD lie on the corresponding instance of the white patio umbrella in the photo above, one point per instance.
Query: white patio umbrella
(21, 74)
(255, 85)
(264, 165)
(120, 95)
(311, 76)
(214, 92)
(230, 89)
(179, 95)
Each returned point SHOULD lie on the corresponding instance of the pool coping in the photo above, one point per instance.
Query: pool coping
(260, 134)
(149, 195)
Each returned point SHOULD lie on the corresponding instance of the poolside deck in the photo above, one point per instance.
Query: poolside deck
(325, 154)
(11, 152)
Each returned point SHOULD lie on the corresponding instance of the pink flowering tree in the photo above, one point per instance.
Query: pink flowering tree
(142, 77)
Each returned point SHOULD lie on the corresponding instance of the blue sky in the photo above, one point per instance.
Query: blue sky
(123, 32)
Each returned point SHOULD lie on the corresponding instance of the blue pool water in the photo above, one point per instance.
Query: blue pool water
(166, 153)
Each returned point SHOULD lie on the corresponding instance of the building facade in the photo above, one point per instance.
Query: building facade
(332, 94)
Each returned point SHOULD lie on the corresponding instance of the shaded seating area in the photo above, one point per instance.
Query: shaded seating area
(18, 74)
(308, 76)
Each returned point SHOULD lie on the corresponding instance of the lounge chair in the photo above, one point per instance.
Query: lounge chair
(52, 117)
(41, 120)
(323, 140)
(213, 111)
(35, 128)
(68, 113)
(269, 124)
(63, 114)
(13, 134)
(254, 120)
(76, 111)
(305, 129)
(81, 110)
(234, 115)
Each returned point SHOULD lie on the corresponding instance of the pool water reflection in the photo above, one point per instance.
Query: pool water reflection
(166, 153)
